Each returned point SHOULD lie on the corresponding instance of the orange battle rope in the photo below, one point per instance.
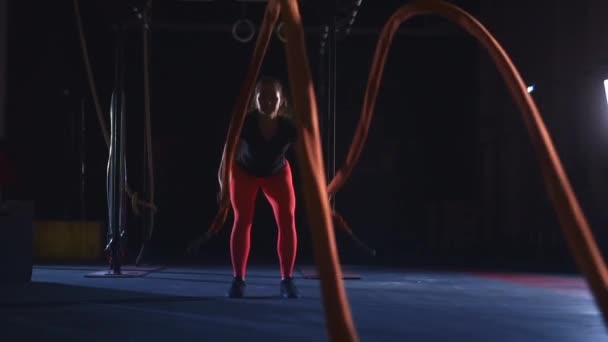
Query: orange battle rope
(571, 217)
(271, 16)
(340, 324)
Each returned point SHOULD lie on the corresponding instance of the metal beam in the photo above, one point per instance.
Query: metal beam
(355, 31)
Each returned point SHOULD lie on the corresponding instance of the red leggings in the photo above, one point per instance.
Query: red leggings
(280, 193)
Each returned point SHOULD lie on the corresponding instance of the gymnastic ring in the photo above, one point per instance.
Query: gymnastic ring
(249, 26)
(280, 32)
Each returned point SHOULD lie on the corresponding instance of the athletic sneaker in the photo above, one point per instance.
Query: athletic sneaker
(237, 289)
(289, 289)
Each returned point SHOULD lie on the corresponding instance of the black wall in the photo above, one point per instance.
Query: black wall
(448, 174)
(558, 46)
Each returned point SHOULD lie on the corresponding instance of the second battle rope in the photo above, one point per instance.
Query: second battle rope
(571, 217)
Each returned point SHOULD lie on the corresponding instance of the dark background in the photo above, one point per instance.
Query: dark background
(448, 175)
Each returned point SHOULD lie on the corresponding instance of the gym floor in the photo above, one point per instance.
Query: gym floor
(64, 303)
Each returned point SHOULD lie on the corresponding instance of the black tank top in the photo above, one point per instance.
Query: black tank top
(258, 156)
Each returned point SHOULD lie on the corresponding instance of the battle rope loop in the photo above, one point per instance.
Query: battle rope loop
(571, 217)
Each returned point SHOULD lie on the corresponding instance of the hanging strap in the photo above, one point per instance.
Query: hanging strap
(136, 202)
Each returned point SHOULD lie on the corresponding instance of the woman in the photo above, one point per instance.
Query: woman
(260, 163)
